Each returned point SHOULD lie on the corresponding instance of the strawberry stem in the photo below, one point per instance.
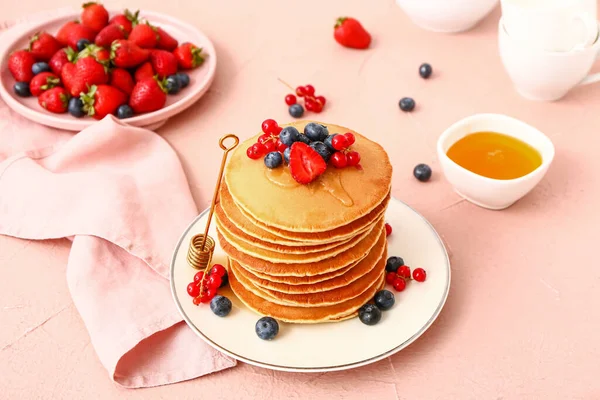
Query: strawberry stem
(340, 21)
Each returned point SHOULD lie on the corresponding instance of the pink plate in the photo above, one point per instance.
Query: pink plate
(200, 78)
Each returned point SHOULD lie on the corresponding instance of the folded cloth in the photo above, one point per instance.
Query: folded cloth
(120, 194)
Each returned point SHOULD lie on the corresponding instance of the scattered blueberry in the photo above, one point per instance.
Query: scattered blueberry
(407, 104)
(224, 280)
(273, 159)
(369, 314)
(124, 111)
(425, 70)
(296, 110)
(220, 305)
(322, 149)
(184, 79)
(40, 67)
(422, 172)
(76, 107)
(286, 155)
(316, 132)
(81, 43)
(393, 263)
(21, 89)
(172, 84)
(328, 141)
(289, 135)
(384, 300)
(267, 328)
(304, 139)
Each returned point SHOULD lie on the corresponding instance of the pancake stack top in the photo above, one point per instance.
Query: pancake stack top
(305, 253)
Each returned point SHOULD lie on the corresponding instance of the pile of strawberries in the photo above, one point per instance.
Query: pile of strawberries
(101, 65)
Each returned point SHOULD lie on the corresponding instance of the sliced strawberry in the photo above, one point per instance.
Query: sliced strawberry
(306, 164)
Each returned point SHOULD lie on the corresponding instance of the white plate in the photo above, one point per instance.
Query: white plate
(327, 346)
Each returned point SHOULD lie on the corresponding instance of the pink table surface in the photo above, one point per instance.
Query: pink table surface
(521, 321)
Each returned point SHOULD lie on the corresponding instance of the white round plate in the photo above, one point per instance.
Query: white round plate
(326, 346)
(200, 78)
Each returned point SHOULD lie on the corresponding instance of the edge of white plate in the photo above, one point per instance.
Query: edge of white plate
(314, 369)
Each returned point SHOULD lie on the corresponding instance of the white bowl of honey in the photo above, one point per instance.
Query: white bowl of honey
(493, 160)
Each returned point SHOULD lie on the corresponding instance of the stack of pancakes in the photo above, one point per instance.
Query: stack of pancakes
(305, 253)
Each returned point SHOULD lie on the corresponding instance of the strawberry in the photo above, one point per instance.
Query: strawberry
(144, 35)
(60, 58)
(42, 82)
(125, 54)
(188, 56)
(54, 100)
(122, 80)
(127, 20)
(63, 33)
(96, 52)
(84, 73)
(144, 71)
(148, 95)
(94, 16)
(350, 33)
(43, 46)
(163, 63)
(19, 64)
(109, 34)
(102, 100)
(165, 41)
(305, 163)
(71, 32)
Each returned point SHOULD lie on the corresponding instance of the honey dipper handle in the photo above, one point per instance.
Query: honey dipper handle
(226, 151)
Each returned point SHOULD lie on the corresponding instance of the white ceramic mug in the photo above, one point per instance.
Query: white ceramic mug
(554, 25)
(545, 75)
(447, 16)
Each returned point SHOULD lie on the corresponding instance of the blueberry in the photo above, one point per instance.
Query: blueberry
(384, 300)
(172, 84)
(76, 107)
(422, 172)
(322, 149)
(296, 110)
(286, 154)
(224, 280)
(304, 139)
(273, 159)
(184, 79)
(407, 104)
(21, 89)
(124, 111)
(220, 305)
(393, 263)
(316, 132)
(267, 328)
(328, 141)
(289, 135)
(425, 70)
(369, 314)
(40, 67)
(81, 43)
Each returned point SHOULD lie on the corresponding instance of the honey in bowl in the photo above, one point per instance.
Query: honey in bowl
(495, 155)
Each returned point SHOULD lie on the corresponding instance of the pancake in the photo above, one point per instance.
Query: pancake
(336, 198)
(341, 260)
(294, 258)
(302, 280)
(359, 270)
(304, 315)
(266, 233)
(375, 267)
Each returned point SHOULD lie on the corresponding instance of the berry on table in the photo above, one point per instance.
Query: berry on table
(393, 263)
(124, 111)
(199, 276)
(193, 289)
(269, 126)
(214, 281)
(296, 110)
(322, 100)
(21, 89)
(353, 158)
(300, 91)
(419, 275)
(369, 314)
(172, 84)
(422, 172)
(289, 135)
(196, 301)
(290, 99)
(76, 107)
(407, 104)
(266, 328)
(81, 44)
(184, 79)
(388, 229)
(425, 70)
(218, 270)
(339, 142)
(404, 271)
(322, 149)
(317, 107)
(220, 306)
(384, 300)
(309, 90)
(310, 105)
(339, 159)
(316, 132)
(390, 277)
(273, 160)
(399, 284)
(40, 67)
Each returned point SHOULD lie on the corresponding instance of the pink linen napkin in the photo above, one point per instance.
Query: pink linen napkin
(120, 194)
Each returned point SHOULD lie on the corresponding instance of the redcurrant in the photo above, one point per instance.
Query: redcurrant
(198, 277)
(252, 154)
(318, 107)
(269, 126)
(404, 271)
(419, 275)
(218, 270)
(278, 130)
(214, 281)
(210, 293)
(309, 90)
(353, 158)
(290, 99)
(300, 91)
(259, 149)
(280, 146)
(193, 289)
(399, 284)
(390, 277)
(388, 229)
(262, 139)
(339, 142)
(321, 100)
(310, 105)
(350, 137)
(196, 301)
(269, 146)
(338, 159)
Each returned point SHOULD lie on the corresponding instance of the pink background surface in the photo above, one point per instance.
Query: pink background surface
(521, 319)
